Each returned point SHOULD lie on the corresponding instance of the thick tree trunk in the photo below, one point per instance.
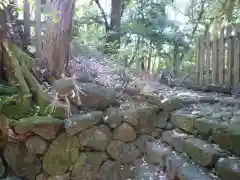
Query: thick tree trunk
(56, 47)
(113, 31)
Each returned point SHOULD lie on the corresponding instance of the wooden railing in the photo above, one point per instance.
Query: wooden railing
(37, 23)
(218, 61)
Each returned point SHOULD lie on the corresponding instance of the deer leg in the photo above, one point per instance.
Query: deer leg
(73, 94)
(78, 89)
(68, 106)
(52, 105)
(79, 102)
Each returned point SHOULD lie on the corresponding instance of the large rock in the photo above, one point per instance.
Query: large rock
(148, 172)
(227, 136)
(22, 163)
(63, 152)
(78, 123)
(123, 152)
(112, 117)
(125, 133)
(88, 165)
(97, 96)
(142, 117)
(171, 104)
(41, 176)
(11, 178)
(227, 168)
(154, 99)
(45, 126)
(205, 126)
(96, 137)
(202, 152)
(62, 177)
(2, 168)
(175, 139)
(142, 140)
(114, 170)
(21, 110)
(184, 120)
(132, 91)
(162, 119)
(157, 153)
(173, 163)
(189, 171)
(36, 145)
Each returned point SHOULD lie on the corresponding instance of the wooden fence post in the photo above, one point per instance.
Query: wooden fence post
(197, 61)
(26, 22)
(236, 75)
(202, 60)
(229, 55)
(221, 58)
(215, 70)
(208, 58)
(38, 28)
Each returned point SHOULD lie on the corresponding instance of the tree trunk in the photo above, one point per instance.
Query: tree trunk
(56, 47)
(149, 59)
(113, 33)
(175, 60)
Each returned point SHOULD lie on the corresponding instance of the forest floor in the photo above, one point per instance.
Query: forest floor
(109, 74)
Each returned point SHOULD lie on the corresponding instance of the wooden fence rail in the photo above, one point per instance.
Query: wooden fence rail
(218, 61)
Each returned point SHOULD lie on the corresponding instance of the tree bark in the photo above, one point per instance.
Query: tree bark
(56, 47)
(113, 33)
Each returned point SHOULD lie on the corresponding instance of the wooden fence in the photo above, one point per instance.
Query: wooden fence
(36, 23)
(218, 61)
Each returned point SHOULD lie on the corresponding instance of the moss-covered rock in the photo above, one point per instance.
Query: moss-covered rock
(96, 137)
(202, 152)
(21, 161)
(63, 152)
(228, 168)
(142, 117)
(88, 165)
(184, 120)
(45, 126)
(16, 111)
(15, 107)
(2, 168)
(227, 136)
(205, 126)
(114, 170)
(123, 152)
(78, 123)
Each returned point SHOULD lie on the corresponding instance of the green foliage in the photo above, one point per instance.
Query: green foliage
(144, 31)
(148, 33)
(3, 4)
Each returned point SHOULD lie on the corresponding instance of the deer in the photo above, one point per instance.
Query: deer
(65, 87)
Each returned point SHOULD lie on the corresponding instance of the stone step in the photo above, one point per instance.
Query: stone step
(177, 166)
(200, 151)
(220, 127)
(203, 153)
(228, 168)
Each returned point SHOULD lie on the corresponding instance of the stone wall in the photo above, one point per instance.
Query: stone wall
(93, 144)
(196, 141)
(199, 141)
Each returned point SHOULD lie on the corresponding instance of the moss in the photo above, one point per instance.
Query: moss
(14, 111)
(15, 107)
